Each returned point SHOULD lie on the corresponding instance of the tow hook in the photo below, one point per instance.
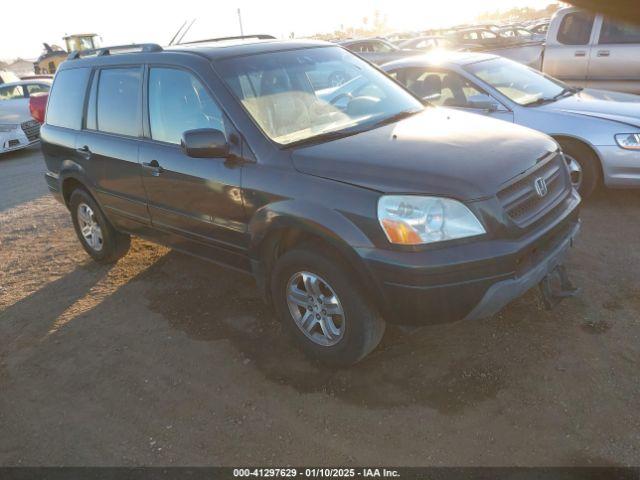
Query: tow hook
(556, 286)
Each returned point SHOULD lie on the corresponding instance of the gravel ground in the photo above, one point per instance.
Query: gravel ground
(165, 360)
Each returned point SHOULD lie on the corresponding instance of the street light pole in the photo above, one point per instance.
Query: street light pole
(240, 22)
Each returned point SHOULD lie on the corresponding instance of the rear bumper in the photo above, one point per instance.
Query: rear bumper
(53, 183)
(620, 167)
(468, 281)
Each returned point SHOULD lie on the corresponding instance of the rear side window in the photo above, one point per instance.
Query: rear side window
(575, 28)
(178, 102)
(118, 103)
(618, 32)
(66, 100)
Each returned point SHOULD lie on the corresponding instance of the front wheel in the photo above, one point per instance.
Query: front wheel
(324, 308)
(584, 169)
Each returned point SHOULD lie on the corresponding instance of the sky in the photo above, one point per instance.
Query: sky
(130, 21)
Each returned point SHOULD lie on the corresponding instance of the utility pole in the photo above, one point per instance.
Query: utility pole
(240, 22)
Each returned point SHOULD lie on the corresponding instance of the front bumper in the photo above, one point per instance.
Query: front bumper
(620, 167)
(472, 280)
(15, 140)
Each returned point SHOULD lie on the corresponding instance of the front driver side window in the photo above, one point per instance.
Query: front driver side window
(178, 102)
(439, 87)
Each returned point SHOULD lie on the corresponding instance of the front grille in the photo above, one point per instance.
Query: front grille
(13, 143)
(31, 129)
(521, 201)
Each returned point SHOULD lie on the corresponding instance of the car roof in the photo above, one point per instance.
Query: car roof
(445, 59)
(26, 82)
(216, 50)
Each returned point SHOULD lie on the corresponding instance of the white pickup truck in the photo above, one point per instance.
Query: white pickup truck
(586, 50)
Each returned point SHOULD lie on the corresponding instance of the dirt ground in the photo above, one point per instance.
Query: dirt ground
(165, 360)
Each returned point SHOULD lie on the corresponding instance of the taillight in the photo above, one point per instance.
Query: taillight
(38, 106)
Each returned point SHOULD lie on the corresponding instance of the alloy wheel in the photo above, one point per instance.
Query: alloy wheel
(89, 227)
(315, 308)
(575, 171)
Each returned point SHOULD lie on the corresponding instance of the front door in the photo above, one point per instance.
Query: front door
(197, 202)
(567, 53)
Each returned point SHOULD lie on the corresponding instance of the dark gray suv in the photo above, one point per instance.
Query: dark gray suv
(351, 205)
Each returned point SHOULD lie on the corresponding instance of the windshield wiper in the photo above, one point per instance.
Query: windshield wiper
(565, 91)
(397, 117)
(323, 137)
(543, 100)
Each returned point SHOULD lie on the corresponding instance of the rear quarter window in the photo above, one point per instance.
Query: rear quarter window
(66, 100)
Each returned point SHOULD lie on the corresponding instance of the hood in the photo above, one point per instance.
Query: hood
(439, 151)
(14, 111)
(614, 106)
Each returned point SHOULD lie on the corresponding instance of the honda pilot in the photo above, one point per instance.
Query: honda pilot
(351, 205)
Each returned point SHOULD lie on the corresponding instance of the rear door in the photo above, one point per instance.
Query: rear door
(615, 58)
(109, 143)
(568, 49)
(196, 201)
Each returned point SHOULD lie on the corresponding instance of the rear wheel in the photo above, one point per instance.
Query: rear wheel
(583, 167)
(323, 307)
(98, 237)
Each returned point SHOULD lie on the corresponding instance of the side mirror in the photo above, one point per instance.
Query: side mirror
(483, 102)
(205, 143)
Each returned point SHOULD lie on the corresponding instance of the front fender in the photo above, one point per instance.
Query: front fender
(328, 224)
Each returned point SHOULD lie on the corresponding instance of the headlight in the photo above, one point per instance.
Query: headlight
(630, 141)
(10, 127)
(414, 220)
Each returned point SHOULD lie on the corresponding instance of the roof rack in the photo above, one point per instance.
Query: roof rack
(260, 36)
(100, 52)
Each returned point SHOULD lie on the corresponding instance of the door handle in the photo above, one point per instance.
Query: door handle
(580, 53)
(603, 53)
(154, 166)
(84, 151)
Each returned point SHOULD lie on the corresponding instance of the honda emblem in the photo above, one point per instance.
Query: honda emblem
(540, 184)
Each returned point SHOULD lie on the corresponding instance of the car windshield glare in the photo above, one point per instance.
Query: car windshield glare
(517, 82)
(297, 95)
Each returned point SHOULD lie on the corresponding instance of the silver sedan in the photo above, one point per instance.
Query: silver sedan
(599, 131)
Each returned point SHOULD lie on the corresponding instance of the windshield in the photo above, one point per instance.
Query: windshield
(517, 82)
(300, 94)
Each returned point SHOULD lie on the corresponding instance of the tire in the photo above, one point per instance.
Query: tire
(104, 244)
(361, 327)
(589, 164)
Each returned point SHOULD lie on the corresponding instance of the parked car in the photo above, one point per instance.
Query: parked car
(377, 210)
(599, 131)
(477, 38)
(517, 35)
(17, 128)
(426, 43)
(398, 37)
(376, 50)
(587, 50)
(539, 31)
